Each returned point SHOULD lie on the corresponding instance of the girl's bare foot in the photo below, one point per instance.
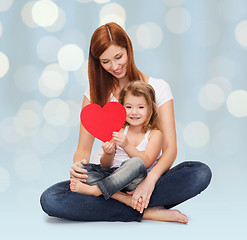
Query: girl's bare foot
(77, 186)
(162, 214)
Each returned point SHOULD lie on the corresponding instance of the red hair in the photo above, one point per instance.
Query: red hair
(101, 82)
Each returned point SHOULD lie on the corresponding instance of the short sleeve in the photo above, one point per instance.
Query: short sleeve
(162, 90)
(87, 93)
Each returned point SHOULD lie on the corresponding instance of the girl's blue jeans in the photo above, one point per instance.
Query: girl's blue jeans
(175, 186)
(111, 180)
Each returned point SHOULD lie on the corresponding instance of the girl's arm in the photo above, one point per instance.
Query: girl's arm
(106, 161)
(83, 151)
(169, 153)
(151, 152)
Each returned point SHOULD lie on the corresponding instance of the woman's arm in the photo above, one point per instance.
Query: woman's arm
(169, 153)
(83, 151)
(151, 152)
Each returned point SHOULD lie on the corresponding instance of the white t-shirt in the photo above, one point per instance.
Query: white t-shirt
(162, 91)
(163, 94)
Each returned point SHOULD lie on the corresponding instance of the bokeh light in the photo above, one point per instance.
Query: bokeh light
(48, 47)
(59, 23)
(26, 15)
(8, 133)
(241, 33)
(178, 20)
(223, 83)
(56, 112)
(34, 106)
(113, 12)
(4, 66)
(53, 80)
(5, 5)
(237, 103)
(132, 32)
(196, 134)
(26, 78)
(70, 57)
(149, 35)
(4, 180)
(211, 97)
(27, 122)
(45, 13)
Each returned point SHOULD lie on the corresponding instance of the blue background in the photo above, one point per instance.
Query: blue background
(198, 47)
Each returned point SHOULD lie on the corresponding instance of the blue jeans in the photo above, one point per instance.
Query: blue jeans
(175, 186)
(111, 180)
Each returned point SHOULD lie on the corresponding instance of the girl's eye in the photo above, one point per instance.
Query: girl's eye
(141, 107)
(127, 106)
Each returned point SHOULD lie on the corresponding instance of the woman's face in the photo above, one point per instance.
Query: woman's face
(115, 60)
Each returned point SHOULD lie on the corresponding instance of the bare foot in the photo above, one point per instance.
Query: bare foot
(162, 214)
(77, 186)
(126, 199)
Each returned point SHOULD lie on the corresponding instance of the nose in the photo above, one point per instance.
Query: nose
(133, 110)
(114, 65)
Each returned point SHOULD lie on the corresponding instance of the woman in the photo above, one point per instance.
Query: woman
(111, 67)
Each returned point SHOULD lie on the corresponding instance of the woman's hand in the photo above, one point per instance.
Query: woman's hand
(77, 172)
(120, 139)
(109, 147)
(144, 191)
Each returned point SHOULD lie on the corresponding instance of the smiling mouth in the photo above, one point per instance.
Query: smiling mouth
(134, 118)
(118, 71)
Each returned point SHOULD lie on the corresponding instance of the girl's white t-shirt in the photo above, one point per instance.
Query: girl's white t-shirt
(162, 91)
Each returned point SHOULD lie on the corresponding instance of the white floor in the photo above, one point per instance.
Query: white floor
(212, 214)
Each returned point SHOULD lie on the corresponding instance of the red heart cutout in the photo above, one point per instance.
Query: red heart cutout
(101, 122)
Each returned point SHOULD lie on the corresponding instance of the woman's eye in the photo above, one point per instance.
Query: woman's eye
(104, 62)
(118, 57)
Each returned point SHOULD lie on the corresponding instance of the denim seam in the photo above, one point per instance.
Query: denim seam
(103, 190)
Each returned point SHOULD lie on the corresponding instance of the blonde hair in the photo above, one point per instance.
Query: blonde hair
(139, 88)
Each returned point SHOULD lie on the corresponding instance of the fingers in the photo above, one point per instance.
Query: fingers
(108, 147)
(78, 172)
(145, 203)
(140, 202)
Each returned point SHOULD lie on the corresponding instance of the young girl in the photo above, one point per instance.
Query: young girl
(132, 150)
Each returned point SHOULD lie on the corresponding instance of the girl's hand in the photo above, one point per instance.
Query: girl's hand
(109, 147)
(120, 139)
(77, 172)
(144, 190)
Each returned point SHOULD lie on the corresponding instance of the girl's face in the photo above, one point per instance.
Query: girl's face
(137, 109)
(115, 60)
